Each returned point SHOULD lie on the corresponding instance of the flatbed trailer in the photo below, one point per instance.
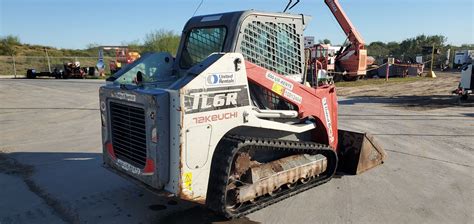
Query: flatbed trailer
(33, 74)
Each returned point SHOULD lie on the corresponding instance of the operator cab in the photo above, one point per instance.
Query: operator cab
(271, 40)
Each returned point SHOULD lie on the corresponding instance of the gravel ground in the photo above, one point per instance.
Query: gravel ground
(443, 84)
(50, 169)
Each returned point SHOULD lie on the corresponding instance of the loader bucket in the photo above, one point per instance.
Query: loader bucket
(358, 152)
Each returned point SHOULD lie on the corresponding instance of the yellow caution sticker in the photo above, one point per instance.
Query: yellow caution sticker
(188, 180)
(277, 88)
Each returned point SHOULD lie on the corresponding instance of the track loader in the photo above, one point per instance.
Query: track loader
(231, 122)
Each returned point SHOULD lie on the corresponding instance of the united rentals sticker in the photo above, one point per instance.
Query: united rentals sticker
(220, 79)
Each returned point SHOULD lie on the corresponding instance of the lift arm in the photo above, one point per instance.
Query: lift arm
(354, 37)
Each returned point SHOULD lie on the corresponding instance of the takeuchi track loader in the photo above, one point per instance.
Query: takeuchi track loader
(231, 122)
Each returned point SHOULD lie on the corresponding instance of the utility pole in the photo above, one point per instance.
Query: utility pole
(432, 58)
(14, 65)
(448, 56)
(432, 74)
(389, 62)
(47, 58)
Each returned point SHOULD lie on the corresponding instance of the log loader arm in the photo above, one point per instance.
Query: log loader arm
(352, 59)
(351, 32)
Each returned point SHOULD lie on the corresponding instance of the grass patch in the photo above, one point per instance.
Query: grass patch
(23, 63)
(366, 82)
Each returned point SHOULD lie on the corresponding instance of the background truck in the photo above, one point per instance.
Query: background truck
(230, 122)
(33, 74)
(462, 57)
(70, 70)
(466, 85)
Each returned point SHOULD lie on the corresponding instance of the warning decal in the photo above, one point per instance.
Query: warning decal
(278, 88)
(187, 180)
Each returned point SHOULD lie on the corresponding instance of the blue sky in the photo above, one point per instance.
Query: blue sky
(76, 23)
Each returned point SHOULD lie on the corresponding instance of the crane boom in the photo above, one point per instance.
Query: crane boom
(352, 59)
(352, 34)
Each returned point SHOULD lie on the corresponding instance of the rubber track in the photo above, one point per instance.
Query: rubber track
(222, 164)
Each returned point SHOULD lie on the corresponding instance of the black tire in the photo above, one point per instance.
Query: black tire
(464, 97)
(91, 71)
(30, 74)
(348, 78)
(337, 77)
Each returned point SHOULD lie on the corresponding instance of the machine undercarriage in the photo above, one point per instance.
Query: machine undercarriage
(252, 173)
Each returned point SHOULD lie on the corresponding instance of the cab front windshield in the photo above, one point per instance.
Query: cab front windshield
(154, 67)
(200, 43)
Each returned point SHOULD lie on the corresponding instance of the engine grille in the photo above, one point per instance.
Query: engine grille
(128, 133)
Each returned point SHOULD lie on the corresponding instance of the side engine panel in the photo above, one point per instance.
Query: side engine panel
(213, 103)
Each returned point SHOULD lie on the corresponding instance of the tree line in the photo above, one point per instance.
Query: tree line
(408, 49)
(168, 41)
(155, 41)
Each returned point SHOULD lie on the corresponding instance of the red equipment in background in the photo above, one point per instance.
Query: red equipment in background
(122, 56)
(350, 61)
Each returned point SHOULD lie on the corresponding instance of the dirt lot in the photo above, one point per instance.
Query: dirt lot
(442, 85)
(50, 168)
(413, 93)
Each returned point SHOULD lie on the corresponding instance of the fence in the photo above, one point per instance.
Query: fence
(18, 65)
